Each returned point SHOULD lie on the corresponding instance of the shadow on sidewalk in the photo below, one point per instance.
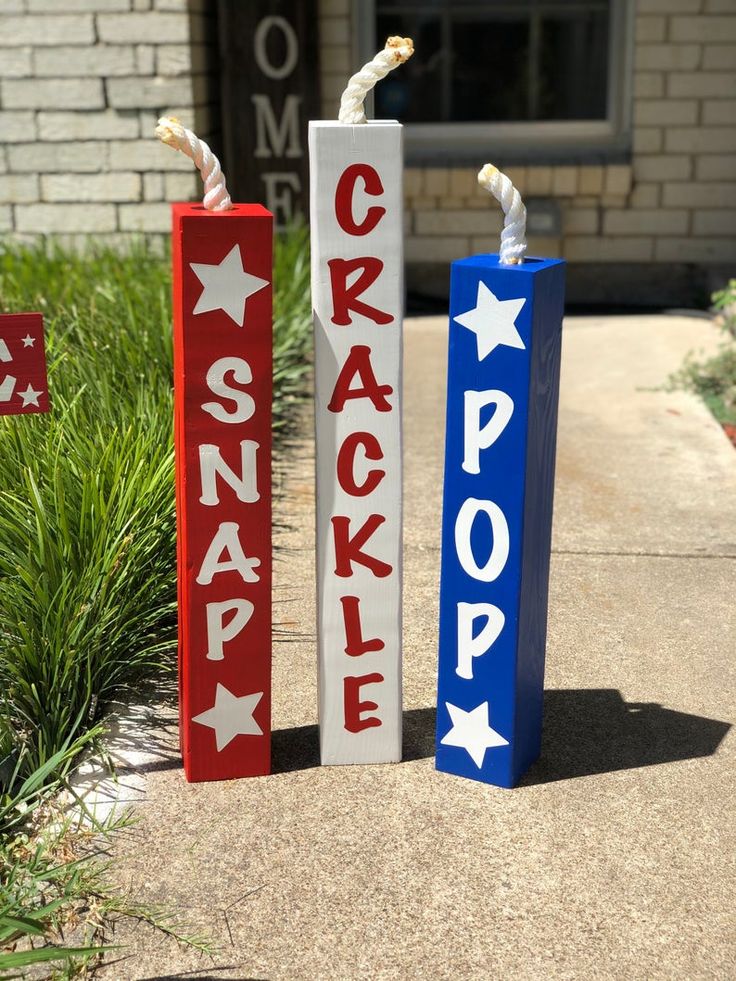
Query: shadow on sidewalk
(593, 730)
(586, 731)
(298, 748)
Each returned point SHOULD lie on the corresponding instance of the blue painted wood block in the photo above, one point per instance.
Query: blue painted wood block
(502, 394)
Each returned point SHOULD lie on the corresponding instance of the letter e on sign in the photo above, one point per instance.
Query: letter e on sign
(354, 708)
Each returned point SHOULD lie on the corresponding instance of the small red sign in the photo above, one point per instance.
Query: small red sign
(23, 385)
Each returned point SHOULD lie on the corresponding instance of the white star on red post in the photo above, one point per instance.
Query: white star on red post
(30, 396)
(493, 321)
(231, 716)
(227, 286)
(471, 731)
(28, 341)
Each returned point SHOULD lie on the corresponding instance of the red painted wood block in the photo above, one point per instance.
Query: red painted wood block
(223, 391)
(23, 384)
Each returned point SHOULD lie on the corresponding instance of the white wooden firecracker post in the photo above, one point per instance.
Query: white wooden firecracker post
(357, 297)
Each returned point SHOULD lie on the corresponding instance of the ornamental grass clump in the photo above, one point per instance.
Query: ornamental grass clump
(714, 378)
(87, 557)
(87, 521)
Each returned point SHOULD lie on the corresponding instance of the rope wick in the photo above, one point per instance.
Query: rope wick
(171, 132)
(396, 52)
(513, 236)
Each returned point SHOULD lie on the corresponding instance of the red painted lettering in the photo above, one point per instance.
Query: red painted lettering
(346, 464)
(349, 550)
(345, 298)
(354, 643)
(344, 199)
(353, 705)
(358, 363)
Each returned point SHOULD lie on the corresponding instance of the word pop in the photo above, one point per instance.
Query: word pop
(502, 393)
(357, 294)
(223, 368)
(23, 385)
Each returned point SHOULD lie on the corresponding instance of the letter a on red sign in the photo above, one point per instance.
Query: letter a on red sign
(223, 384)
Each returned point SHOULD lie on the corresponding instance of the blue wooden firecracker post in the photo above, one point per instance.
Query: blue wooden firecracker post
(502, 393)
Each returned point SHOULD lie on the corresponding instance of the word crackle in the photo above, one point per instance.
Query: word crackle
(357, 295)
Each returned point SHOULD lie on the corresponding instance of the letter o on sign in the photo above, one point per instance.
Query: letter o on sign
(259, 47)
(500, 551)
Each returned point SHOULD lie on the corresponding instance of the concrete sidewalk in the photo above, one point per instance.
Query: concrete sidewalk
(615, 858)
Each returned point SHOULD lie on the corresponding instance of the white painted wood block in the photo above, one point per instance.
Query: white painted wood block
(357, 296)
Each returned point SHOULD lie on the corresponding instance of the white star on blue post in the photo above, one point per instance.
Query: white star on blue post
(472, 732)
(493, 321)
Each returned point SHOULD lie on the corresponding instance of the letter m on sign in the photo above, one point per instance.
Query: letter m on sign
(270, 87)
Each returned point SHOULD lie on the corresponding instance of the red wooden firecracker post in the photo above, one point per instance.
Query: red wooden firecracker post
(357, 296)
(222, 262)
(23, 384)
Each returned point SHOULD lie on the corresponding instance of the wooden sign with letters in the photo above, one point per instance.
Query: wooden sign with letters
(270, 88)
(502, 389)
(357, 295)
(23, 384)
(223, 391)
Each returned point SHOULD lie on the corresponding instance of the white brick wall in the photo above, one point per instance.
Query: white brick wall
(82, 83)
(38, 31)
(93, 187)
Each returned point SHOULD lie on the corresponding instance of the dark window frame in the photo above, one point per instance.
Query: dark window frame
(454, 143)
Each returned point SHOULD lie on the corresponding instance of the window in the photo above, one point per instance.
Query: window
(515, 78)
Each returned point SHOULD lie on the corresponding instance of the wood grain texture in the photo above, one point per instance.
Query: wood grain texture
(269, 71)
(23, 381)
(357, 295)
(224, 405)
(505, 330)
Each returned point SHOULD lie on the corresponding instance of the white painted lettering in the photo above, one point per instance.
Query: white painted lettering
(218, 632)
(277, 137)
(211, 465)
(227, 540)
(244, 404)
(500, 529)
(260, 39)
(280, 202)
(468, 646)
(479, 437)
